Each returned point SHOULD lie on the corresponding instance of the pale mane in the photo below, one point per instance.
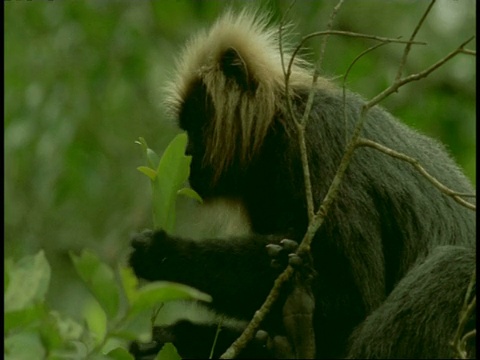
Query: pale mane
(241, 120)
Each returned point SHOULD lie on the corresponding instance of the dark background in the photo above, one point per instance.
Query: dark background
(83, 80)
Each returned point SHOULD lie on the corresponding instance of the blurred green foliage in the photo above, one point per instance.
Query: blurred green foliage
(83, 80)
(119, 315)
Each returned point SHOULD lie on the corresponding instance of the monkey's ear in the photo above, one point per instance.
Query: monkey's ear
(235, 68)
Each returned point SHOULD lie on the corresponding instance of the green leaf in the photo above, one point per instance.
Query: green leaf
(163, 291)
(50, 333)
(24, 345)
(99, 279)
(119, 354)
(28, 282)
(137, 327)
(23, 317)
(141, 141)
(152, 174)
(96, 319)
(168, 352)
(172, 172)
(152, 158)
(168, 174)
(188, 192)
(69, 328)
(129, 283)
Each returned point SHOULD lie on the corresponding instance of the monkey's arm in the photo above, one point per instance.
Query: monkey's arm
(236, 272)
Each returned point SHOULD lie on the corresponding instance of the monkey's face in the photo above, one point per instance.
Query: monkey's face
(200, 175)
(204, 178)
(195, 117)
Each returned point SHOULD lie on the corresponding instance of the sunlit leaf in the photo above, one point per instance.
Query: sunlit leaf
(69, 328)
(50, 333)
(96, 319)
(129, 283)
(23, 317)
(167, 180)
(168, 352)
(189, 192)
(137, 327)
(24, 345)
(28, 282)
(162, 291)
(152, 174)
(99, 279)
(152, 158)
(172, 172)
(119, 354)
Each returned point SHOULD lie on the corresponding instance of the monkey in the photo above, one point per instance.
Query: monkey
(394, 256)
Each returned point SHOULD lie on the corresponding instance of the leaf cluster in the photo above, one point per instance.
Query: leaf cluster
(167, 176)
(33, 331)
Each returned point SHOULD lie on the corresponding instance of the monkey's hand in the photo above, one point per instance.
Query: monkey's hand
(150, 251)
(283, 254)
(299, 305)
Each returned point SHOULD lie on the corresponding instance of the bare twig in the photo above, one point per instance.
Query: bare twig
(329, 27)
(303, 151)
(459, 341)
(344, 33)
(408, 46)
(258, 317)
(414, 77)
(306, 115)
(280, 38)
(468, 52)
(344, 89)
(444, 189)
(333, 189)
(316, 72)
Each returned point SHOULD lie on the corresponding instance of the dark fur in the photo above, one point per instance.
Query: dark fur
(420, 313)
(375, 254)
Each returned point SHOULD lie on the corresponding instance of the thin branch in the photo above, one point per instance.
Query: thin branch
(323, 46)
(259, 316)
(416, 164)
(217, 333)
(306, 172)
(286, 75)
(300, 129)
(409, 45)
(468, 335)
(469, 52)
(414, 77)
(306, 115)
(316, 72)
(344, 90)
(459, 342)
(344, 33)
(473, 281)
(280, 37)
